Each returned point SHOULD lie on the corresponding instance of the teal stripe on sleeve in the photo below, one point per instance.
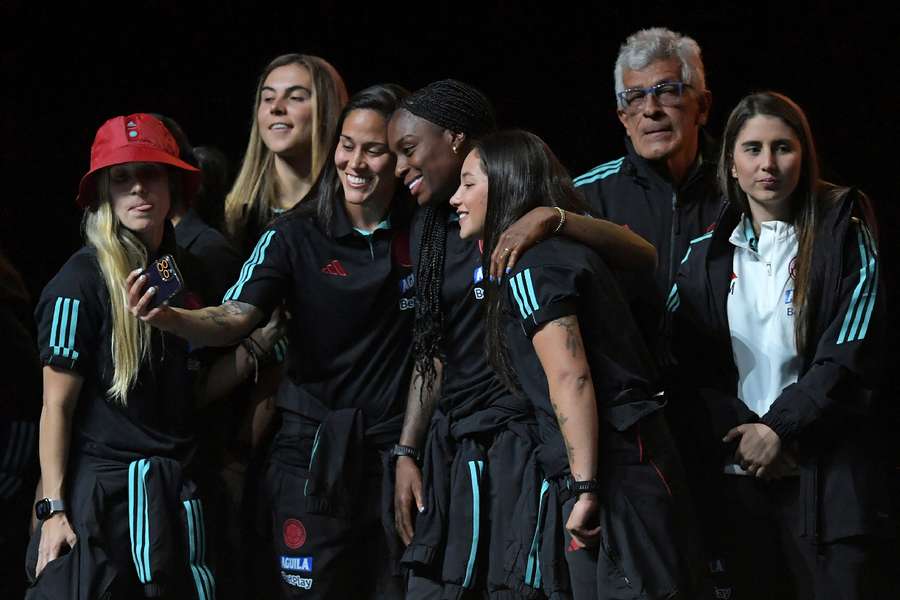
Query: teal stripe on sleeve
(515, 292)
(256, 257)
(73, 326)
(874, 288)
(64, 322)
(601, 172)
(54, 328)
(868, 260)
(846, 334)
(519, 282)
(531, 295)
(243, 273)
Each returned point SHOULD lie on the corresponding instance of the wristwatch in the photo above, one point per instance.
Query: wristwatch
(399, 450)
(47, 507)
(588, 486)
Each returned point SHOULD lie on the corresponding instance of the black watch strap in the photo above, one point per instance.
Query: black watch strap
(588, 486)
(47, 507)
(399, 450)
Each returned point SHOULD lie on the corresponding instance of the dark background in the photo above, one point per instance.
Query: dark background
(547, 72)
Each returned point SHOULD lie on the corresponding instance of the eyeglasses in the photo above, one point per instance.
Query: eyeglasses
(667, 93)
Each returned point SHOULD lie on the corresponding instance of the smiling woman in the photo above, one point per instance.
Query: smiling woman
(298, 99)
(340, 264)
(365, 166)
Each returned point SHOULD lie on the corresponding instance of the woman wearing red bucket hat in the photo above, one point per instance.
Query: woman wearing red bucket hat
(115, 425)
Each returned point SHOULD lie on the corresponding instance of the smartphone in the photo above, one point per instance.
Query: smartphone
(163, 274)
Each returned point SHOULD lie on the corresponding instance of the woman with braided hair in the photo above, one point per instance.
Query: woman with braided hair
(466, 413)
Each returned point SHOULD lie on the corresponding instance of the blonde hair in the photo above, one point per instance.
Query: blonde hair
(255, 182)
(119, 252)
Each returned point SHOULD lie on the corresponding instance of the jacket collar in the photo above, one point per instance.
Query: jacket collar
(645, 171)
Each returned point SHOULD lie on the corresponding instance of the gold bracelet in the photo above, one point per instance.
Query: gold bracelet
(562, 219)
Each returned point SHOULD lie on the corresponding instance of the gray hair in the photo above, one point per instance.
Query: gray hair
(650, 45)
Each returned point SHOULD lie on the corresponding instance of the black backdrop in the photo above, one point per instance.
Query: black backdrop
(547, 72)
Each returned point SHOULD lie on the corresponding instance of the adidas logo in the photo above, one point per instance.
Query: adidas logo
(334, 268)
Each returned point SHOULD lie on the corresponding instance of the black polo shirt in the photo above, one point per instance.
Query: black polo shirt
(74, 333)
(351, 299)
(469, 381)
(559, 278)
(216, 262)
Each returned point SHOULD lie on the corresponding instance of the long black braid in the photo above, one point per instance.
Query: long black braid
(428, 337)
(460, 108)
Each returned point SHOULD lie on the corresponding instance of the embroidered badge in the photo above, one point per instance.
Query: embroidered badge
(294, 534)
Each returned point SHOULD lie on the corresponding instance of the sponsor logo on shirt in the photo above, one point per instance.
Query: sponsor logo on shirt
(297, 581)
(478, 276)
(479, 293)
(789, 296)
(407, 303)
(294, 533)
(302, 564)
(335, 268)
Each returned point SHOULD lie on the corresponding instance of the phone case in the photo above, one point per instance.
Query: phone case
(163, 274)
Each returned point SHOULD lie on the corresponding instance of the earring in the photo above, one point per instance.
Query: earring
(455, 151)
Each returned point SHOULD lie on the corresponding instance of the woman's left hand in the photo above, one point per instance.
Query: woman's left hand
(758, 449)
(583, 524)
(536, 226)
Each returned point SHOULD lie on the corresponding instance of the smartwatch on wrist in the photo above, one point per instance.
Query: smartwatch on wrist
(47, 507)
(588, 486)
(399, 450)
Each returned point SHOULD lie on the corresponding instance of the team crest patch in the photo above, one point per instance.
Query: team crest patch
(298, 564)
(294, 533)
(792, 268)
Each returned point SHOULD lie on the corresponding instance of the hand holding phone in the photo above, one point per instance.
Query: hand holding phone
(163, 274)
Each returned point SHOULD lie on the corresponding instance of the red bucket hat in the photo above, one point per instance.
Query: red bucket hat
(134, 138)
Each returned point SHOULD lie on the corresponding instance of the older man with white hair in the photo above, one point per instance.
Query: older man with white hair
(664, 189)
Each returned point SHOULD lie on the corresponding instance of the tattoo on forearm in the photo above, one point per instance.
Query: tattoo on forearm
(570, 451)
(560, 418)
(219, 314)
(573, 336)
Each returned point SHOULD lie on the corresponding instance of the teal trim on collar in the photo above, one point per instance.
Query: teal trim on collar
(386, 224)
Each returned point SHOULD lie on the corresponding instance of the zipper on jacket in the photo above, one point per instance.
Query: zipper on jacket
(672, 230)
